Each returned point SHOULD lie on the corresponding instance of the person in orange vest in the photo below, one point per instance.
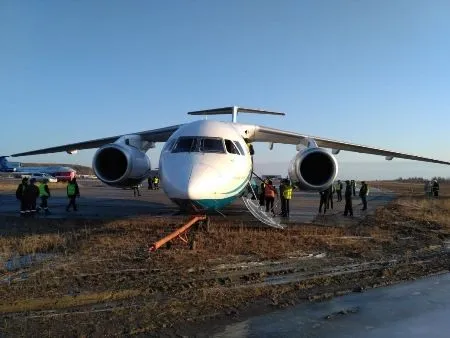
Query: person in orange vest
(269, 193)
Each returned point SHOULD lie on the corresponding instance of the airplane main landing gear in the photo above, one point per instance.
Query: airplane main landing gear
(181, 233)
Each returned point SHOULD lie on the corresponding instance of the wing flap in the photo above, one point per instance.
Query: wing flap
(155, 135)
(264, 134)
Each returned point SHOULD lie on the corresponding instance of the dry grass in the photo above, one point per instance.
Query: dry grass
(12, 186)
(33, 304)
(32, 244)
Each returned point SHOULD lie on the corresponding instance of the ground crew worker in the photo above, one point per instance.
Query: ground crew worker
(348, 199)
(150, 183)
(156, 182)
(282, 199)
(136, 190)
(30, 194)
(269, 194)
(250, 147)
(44, 194)
(19, 195)
(339, 190)
(287, 194)
(363, 192)
(262, 188)
(435, 188)
(73, 192)
(353, 187)
(330, 197)
(323, 200)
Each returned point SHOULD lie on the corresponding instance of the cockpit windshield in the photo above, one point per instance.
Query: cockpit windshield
(188, 144)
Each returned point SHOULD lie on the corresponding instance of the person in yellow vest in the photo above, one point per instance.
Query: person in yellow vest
(72, 193)
(44, 194)
(156, 182)
(287, 194)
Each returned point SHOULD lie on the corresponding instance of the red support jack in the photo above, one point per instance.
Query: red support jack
(177, 233)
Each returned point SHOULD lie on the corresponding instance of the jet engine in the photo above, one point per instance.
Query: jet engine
(313, 169)
(121, 165)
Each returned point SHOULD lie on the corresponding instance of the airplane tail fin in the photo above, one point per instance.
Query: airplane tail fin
(3, 163)
(233, 111)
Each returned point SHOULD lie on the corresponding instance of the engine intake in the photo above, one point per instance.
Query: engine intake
(313, 169)
(120, 165)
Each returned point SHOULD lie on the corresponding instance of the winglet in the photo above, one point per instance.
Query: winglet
(234, 112)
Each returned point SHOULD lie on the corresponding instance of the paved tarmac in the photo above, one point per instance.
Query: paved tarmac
(101, 201)
(414, 309)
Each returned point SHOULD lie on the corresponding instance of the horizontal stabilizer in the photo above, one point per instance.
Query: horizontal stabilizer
(233, 111)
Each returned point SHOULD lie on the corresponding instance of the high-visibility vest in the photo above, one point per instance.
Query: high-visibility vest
(156, 180)
(42, 191)
(269, 191)
(71, 189)
(287, 192)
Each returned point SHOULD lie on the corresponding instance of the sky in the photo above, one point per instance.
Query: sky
(370, 72)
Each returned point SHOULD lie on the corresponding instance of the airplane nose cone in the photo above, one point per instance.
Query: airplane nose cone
(203, 182)
(175, 177)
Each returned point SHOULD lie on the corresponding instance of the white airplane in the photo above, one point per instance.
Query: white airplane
(205, 165)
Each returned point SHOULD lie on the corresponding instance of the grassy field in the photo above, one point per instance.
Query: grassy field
(99, 278)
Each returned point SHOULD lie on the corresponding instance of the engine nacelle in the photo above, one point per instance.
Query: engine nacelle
(313, 169)
(121, 165)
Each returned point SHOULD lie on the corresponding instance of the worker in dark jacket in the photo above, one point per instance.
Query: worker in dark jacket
(353, 184)
(72, 193)
(282, 199)
(262, 187)
(324, 197)
(330, 197)
(30, 194)
(363, 192)
(19, 195)
(339, 186)
(435, 188)
(348, 199)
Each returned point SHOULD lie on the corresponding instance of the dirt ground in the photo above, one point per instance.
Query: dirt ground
(78, 277)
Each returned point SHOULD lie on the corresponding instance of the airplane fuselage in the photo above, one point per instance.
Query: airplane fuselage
(205, 165)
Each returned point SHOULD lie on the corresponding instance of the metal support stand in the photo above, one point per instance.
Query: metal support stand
(181, 233)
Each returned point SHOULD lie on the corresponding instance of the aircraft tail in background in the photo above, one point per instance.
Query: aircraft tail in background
(4, 165)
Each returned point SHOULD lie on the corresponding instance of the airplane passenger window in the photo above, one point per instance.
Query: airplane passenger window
(185, 144)
(211, 145)
(231, 148)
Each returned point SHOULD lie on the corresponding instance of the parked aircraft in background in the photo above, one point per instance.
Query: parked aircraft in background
(206, 164)
(59, 172)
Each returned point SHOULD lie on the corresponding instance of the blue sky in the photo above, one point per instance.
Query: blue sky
(370, 72)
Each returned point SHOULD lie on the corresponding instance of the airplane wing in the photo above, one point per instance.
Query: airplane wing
(264, 134)
(155, 135)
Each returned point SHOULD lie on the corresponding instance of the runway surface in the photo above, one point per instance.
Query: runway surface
(414, 309)
(100, 201)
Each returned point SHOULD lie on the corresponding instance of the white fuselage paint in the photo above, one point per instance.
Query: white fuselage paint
(202, 179)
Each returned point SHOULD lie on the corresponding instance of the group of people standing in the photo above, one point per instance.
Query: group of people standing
(432, 188)
(267, 194)
(28, 193)
(326, 196)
